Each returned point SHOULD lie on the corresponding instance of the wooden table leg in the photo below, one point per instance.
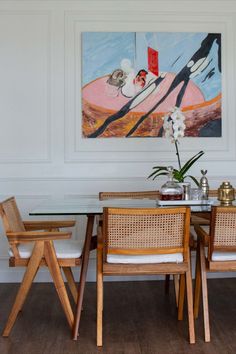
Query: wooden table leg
(83, 273)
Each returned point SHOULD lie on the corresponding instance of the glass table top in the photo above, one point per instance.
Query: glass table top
(85, 206)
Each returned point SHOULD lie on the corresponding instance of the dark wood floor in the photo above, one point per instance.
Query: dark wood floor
(138, 318)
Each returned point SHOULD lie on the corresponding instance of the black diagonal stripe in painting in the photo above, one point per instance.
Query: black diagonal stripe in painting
(185, 74)
(134, 102)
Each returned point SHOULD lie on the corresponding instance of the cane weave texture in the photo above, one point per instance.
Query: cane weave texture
(225, 229)
(129, 195)
(145, 231)
(13, 216)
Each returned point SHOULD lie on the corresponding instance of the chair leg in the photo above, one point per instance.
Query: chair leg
(99, 298)
(181, 297)
(204, 294)
(167, 283)
(190, 304)
(53, 266)
(176, 287)
(28, 278)
(197, 287)
(71, 282)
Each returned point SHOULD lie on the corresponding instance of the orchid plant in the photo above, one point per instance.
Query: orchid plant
(174, 128)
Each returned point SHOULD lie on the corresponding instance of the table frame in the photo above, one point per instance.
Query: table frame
(84, 267)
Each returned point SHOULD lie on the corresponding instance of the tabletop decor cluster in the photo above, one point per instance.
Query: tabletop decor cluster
(174, 128)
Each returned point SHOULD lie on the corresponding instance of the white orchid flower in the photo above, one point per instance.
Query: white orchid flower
(168, 134)
(173, 125)
(174, 128)
(167, 122)
(178, 134)
(179, 126)
(177, 115)
(167, 125)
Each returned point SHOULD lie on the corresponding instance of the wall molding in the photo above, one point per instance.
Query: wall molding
(93, 179)
(78, 149)
(48, 155)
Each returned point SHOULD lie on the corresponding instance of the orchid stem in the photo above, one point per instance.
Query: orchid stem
(177, 153)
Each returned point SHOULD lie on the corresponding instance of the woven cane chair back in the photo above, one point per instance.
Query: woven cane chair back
(129, 195)
(223, 229)
(11, 217)
(146, 231)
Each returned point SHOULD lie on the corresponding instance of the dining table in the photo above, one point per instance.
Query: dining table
(90, 207)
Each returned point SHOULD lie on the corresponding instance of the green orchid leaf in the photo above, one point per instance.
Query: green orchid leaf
(190, 162)
(177, 176)
(160, 167)
(194, 179)
(155, 175)
(157, 170)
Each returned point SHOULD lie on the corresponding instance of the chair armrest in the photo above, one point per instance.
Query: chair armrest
(29, 236)
(47, 224)
(202, 234)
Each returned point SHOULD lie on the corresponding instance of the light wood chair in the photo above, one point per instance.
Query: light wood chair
(32, 249)
(153, 195)
(141, 242)
(216, 252)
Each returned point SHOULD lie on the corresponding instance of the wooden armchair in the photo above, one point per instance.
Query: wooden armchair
(216, 252)
(32, 248)
(144, 241)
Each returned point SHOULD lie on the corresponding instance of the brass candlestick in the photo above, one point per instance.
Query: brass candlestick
(226, 193)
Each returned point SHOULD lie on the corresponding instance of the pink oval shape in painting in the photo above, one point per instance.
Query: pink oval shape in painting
(99, 94)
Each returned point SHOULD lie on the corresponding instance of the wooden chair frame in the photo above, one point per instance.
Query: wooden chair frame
(206, 264)
(105, 268)
(129, 195)
(43, 254)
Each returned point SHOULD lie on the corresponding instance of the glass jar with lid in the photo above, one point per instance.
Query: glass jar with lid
(171, 190)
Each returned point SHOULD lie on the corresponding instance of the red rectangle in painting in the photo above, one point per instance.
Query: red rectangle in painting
(153, 61)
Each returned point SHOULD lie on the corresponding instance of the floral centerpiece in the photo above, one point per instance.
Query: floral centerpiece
(174, 128)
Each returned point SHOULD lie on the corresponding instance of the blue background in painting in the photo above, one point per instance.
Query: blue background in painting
(102, 53)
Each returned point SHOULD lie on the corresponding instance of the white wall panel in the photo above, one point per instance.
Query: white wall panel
(24, 86)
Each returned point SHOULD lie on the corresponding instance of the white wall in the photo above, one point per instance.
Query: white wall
(42, 154)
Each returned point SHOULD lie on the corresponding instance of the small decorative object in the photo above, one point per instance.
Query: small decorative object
(204, 185)
(171, 190)
(196, 193)
(226, 193)
(174, 128)
(186, 190)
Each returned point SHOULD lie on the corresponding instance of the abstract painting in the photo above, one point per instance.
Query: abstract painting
(131, 80)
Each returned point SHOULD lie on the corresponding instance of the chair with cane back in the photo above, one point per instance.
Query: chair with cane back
(216, 252)
(40, 243)
(144, 241)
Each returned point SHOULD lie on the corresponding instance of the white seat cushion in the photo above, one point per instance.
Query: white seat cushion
(223, 256)
(64, 249)
(145, 259)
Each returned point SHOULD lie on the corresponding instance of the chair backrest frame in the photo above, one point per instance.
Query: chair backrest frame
(151, 243)
(222, 230)
(11, 216)
(12, 221)
(129, 195)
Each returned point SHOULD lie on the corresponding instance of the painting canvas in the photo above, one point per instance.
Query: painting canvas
(131, 80)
